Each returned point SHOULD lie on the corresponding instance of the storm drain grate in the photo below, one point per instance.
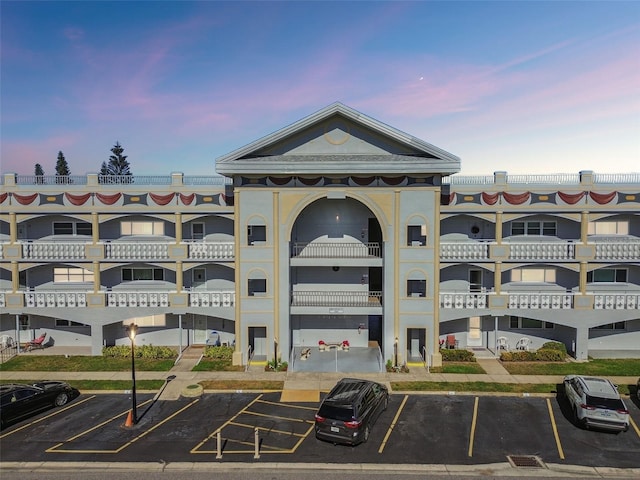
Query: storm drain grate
(526, 461)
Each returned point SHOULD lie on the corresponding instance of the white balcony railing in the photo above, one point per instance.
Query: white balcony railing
(138, 299)
(543, 301)
(212, 299)
(611, 248)
(54, 250)
(464, 250)
(542, 251)
(616, 301)
(3, 301)
(211, 250)
(335, 299)
(55, 299)
(136, 251)
(463, 300)
(336, 250)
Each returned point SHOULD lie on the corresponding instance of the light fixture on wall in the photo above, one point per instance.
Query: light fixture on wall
(335, 269)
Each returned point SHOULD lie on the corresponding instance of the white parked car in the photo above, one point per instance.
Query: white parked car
(595, 402)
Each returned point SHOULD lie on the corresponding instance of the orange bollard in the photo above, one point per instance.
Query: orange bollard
(129, 422)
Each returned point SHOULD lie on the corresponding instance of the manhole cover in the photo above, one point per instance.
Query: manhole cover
(525, 461)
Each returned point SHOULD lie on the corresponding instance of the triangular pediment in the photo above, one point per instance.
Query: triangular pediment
(338, 140)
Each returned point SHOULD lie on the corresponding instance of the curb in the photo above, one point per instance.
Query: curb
(492, 469)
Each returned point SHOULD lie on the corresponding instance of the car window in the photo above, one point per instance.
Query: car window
(23, 393)
(334, 412)
(607, 403)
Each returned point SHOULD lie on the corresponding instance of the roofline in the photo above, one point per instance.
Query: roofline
(338, 107)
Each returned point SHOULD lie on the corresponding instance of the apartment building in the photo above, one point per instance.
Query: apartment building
(337, 228)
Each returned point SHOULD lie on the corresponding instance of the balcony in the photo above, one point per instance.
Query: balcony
(202, 250)
(336, 302)
(611, 249)
(140, 299)
(52, 251)
(464, 250)
(616, 301)
(140, 250)
(616, 248)
(53, 299)
(344, 253)
(212, 299)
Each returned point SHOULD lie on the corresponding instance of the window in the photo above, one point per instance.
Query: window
(63, 228)
(256, 233)
(60, 322)
(141, 273)
(141, 228)
(416, 288)
(72, 275)
(158, 320)
(620, 227)
(607, 275)
(417, 235)
(257, 286)
(612, 326)
(475, 280)
(521, 322)
(533, 275)
(25, 322)
(71, 228)
(199, 276)
(197, 231)
(534, 228)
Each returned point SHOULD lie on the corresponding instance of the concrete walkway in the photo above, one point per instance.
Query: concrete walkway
(182, 377)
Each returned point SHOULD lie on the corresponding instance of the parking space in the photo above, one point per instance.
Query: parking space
(423, 429)
(281, 428)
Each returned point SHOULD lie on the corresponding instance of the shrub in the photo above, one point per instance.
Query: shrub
(518, 356)
(549, 355)
(559, 346)
(276, 366)
(219, 353)
(457, 355)
(143, 351)
(542, 355)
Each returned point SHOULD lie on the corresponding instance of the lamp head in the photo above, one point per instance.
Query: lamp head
(132, 330)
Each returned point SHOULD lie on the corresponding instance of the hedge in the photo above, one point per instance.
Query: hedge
(218, 353)
(457, 355)
(542, 355)
(559, 346)
(143, 351)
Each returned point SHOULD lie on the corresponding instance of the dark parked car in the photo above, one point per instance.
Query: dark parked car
(20, 401)
(348, 412)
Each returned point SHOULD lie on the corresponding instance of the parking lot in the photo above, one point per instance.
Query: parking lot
(415, 429)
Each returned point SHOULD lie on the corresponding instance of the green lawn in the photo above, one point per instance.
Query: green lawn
(474, 387)
(59, 363)
(458, 367)
(600, 367)
(116, 385)
(211, 365)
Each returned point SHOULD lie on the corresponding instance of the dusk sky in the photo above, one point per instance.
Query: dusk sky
(524, 87)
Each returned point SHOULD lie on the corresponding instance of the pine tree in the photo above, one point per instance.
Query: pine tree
(118, 164)
(62, 169)
(39, 173)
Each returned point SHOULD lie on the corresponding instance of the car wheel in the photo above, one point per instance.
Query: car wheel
(61, 399)
(366, 434)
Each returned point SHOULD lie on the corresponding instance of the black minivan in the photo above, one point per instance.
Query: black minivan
(348, 412)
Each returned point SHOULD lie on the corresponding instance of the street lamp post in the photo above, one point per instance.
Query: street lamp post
(395, 353)
(131, 331)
